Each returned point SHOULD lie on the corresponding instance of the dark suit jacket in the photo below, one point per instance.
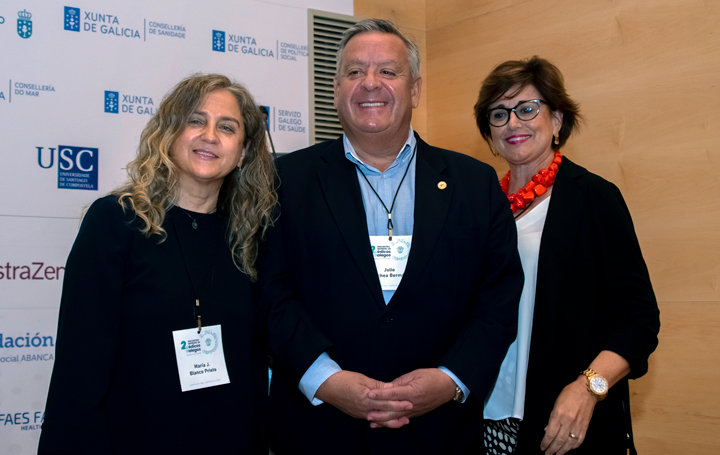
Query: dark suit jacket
(115, 387)
(593, 294)
(455, 307)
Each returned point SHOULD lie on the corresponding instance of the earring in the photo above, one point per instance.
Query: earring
(557, 139)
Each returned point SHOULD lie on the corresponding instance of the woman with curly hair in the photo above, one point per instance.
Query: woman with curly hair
(156, 349)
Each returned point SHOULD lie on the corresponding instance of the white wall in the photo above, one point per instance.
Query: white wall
(54, 90)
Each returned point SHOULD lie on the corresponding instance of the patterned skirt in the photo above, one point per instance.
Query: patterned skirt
(501, 436)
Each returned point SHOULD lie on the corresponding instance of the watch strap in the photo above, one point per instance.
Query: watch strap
(459, 395)
(590, 374)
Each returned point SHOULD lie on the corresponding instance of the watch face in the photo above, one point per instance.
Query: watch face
(599, 385)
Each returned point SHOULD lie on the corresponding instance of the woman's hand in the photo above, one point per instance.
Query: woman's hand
(570, 416)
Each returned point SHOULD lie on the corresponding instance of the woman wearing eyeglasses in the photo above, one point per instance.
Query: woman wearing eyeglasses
(588, 317)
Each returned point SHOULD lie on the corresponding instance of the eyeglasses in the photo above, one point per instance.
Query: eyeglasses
(525, 110)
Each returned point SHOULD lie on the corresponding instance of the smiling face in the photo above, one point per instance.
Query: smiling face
(211, 145)
(374, 90)
(526, 143)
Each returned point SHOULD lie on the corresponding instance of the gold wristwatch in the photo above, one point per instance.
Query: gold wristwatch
(597, 385)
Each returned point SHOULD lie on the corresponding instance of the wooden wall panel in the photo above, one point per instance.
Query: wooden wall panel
(647, 76)
(675, 409)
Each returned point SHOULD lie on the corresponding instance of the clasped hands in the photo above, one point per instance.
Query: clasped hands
(387, 404)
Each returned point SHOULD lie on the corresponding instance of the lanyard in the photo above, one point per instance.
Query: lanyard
(196, 307)
(389, 212)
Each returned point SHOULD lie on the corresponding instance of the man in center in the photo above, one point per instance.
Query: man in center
(391, 278)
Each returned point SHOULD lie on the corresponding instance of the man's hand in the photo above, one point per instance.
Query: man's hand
(349, 392)
(426, 389)
(571, 415)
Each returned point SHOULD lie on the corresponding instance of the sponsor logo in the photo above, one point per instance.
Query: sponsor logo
(30, 420)
(27, 341)
(116, 103)
(72, 19)
(9, 344)
(290, 121)
(24, 24)
(34, 271)
(31, 89)
(160, 28)
(105, 24)
(218, 41)
(291, 51)
(111, 102)
(77, 166)
(241, 44)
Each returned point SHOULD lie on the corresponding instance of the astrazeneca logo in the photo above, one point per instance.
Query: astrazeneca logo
(35, 271)
(24, 24)
(72, 19)
(77, 166)
(116, 102)
(218, 41)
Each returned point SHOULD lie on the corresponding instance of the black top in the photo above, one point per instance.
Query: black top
(455, 307)
(115, 386)
(593, 293)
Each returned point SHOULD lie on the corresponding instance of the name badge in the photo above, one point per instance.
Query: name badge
(390, 258)
(200, 358)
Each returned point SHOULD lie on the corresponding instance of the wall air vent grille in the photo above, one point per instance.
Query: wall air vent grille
(325, 31)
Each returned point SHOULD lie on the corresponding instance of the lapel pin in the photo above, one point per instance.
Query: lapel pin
(442, 185)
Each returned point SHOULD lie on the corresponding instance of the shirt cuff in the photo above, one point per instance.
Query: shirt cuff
(458, 382)
(321, 369)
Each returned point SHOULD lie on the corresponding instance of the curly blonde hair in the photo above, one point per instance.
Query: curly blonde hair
(247, 196)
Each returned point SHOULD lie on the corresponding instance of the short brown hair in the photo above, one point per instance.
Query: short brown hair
(537, 72)
(380, 26)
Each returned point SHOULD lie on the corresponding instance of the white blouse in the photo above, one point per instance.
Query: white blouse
(507, 397)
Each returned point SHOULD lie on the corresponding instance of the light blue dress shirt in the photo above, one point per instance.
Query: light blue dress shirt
(386, 185)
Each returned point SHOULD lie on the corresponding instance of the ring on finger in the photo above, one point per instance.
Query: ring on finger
(573, 436)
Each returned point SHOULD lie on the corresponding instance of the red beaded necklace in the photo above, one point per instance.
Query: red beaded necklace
(537, 186)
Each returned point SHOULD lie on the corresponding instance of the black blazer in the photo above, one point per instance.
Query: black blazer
(455, 307)
(115, 386)
(593, 293)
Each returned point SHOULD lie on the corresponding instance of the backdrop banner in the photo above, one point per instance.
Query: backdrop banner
(78, 82)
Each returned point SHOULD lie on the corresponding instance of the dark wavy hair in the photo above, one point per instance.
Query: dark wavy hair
(247, 196)
(534, 71)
